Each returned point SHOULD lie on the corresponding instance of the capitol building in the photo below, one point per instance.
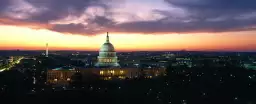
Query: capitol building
(106, 68)
(107, 56)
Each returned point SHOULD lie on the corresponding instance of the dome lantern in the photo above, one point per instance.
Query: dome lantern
(107, 40)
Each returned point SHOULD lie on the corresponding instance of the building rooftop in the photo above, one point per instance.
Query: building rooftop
(64, 68)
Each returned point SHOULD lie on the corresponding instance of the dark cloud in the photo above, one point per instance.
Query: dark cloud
(215, 8)
(215, 4)
(57, 9)
(96, 25)
(4, 4)
(178, 27)
(71, 28)
(101, 21)
(202, 16)
(160, 26)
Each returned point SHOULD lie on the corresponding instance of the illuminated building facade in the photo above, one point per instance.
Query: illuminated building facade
(60, 76)
(11, 59)
(184, 61)
(114, 73)
(107, 55)
(106, 68)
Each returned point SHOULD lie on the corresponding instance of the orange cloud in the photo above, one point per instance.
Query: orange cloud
(33, 25)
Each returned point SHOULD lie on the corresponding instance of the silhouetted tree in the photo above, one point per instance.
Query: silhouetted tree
(76, 79)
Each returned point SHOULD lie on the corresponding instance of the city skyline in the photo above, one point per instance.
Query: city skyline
(167, 25)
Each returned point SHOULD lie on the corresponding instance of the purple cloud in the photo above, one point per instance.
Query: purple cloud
(92, 17)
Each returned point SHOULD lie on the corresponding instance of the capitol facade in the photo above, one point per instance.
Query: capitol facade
(106, 68)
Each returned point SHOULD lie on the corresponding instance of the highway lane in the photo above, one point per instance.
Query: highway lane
(12, 64)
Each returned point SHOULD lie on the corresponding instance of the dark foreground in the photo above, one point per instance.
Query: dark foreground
(181, 85)
(142, 91)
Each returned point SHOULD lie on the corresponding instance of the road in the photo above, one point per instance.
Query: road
(12, 64)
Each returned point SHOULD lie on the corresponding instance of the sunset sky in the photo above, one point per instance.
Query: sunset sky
(133, 25)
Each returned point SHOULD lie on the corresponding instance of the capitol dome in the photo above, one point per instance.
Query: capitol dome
(107, 47)
(107, 55)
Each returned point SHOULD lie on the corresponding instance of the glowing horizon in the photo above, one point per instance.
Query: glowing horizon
(134, 25)
(30, 39)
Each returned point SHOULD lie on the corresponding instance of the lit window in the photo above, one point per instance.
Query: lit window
(101, 72)
(68, 79)
(121, 71)
(112, 71)
(121, 77)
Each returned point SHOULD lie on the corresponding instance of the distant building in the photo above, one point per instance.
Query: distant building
(184, 61)
(1, 62)
(251, 66)
(60, 76)
(169, 55)
(11, 59)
